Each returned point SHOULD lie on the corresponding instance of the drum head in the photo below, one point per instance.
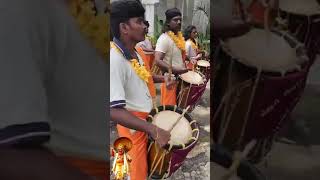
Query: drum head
(264, 50)
(301, 7)
(192, 77)
(182, 131)
(203, 63)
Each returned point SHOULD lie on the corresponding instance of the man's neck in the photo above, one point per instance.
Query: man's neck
(129, 45)
(175, 32)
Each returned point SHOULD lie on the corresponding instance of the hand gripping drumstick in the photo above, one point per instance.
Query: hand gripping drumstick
(238, 156)
(182, 115)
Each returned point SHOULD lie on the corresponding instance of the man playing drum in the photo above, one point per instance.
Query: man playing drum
(171, 47)
(130, 100)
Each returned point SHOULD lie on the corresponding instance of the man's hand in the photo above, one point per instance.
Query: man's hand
(177, 70)
(170, 81)
(161, 136)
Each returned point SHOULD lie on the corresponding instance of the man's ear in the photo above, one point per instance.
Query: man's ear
(123, 27)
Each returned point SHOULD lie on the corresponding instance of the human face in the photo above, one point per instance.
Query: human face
(175, 24)
(135, 29)
(194, 33)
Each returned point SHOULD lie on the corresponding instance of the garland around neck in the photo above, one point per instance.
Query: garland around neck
(94, 26)
(193, 45)
(178, 40)
(140, 70)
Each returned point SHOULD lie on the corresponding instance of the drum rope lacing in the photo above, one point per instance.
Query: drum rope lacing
(253, 93)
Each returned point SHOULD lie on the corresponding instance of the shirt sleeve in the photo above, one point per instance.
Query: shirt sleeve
(162, 44)
(23, 105)
(117, 81)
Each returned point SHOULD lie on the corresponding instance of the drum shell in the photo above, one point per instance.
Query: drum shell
(155, 69)
(189, 94)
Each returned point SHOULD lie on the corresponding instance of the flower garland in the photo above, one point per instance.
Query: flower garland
(94, 26)
(178, 40)
(194, 46)
(140, 70)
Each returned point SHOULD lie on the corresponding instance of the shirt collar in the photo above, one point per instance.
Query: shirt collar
(122, 48)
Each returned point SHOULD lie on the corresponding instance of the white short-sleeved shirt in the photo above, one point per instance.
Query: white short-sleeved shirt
(127, 89)
(53, 82)
(166, 45)
(191, 53)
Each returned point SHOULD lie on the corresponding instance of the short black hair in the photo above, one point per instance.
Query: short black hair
(122, 11)
(188, 31)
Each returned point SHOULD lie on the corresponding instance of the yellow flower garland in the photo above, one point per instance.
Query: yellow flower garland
(194, 46)
(94, 27)
(140, 70)
(178, 40)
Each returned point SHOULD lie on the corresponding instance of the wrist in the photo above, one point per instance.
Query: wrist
(151, 129)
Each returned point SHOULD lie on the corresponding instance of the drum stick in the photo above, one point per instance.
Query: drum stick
(182, 115)
(238, 156)
(170, 69)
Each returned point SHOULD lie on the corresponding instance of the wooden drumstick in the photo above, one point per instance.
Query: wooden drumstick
(181, 116)
(170, 69)
(238, 156)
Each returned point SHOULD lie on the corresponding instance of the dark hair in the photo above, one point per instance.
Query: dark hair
(170, 13)
(146, 23)
(121, 11)
(187, 32)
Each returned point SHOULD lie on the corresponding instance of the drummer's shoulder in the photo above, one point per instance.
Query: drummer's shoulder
(163, 41)
(163, 36)
(116, 59)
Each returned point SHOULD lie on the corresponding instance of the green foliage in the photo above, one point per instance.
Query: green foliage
(157, 29)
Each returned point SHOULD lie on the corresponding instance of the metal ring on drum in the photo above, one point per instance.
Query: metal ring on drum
(163, 162)
(248, 72)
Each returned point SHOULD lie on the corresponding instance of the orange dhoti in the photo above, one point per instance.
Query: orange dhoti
(149, 58)
(138, 153)
(168, 96)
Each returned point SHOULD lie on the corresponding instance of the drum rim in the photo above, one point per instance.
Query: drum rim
(187, 116)
(223, 157)
(199, 73)
(299, 14)
(281, 8)
(201, 60)
(299, 47)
